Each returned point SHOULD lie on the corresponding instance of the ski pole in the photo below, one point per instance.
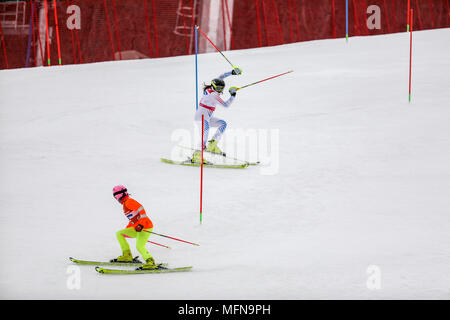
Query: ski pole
(158, 244)
(215, 46)
(251, 84)
(161, 235)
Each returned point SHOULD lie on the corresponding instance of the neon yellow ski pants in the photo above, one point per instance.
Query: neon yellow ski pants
(141, 240)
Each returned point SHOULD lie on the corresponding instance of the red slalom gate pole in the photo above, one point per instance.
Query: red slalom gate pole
(258, 24)
(297, 26)
(109, 29)
(407, 16)
(264, 14)
(116, 25)
(155, 26)
(4, 46)
(291, 32)
(333, 18)
(57, 32)
(78, 46)
(162, 235)
(32, 30)
(410, 53)
(280, 31)
(147, 23)
(432, 13)
(419, 19)
(201, 175)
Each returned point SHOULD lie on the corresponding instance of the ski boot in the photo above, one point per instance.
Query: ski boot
(125, 257)
(149, 265)
(197, 157)
(213, 148)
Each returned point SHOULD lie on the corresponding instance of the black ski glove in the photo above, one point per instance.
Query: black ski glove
(232, 91)
(139, 227)
(236, 71)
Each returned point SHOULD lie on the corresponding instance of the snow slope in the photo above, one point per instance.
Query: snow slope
(362, 185)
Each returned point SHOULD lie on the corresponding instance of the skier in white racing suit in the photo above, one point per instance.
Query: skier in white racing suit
(207, 105)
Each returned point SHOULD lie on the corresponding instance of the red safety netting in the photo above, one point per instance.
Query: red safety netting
(110, 30)
(259, 23)
(133, 29)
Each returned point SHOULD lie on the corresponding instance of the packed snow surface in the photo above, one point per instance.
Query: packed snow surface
(353, 202)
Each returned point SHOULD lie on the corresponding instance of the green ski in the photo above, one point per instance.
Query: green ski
(223, 154)
(208, 164)
(135, 263)
(140, 271)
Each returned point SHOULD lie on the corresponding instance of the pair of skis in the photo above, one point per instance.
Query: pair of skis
(208, 164)
(238, 164)
(161, 268)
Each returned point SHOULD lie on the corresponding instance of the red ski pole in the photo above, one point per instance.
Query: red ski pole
(251, 84)
(161, 235)
(218, 50)
(158, 244)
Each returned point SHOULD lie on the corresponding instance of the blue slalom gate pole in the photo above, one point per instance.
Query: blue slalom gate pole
(196, 70)
(346, 20)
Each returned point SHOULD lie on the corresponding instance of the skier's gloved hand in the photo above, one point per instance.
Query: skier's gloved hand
(232, 91)
(236, 71)
(139, 227)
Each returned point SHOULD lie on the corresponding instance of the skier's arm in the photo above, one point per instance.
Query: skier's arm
(227, 103)
(225, 75)
(235, 71)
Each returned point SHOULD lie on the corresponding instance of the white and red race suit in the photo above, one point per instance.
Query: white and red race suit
(206, 107)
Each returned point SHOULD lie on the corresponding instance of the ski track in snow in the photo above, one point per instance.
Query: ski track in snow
(364, 176)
